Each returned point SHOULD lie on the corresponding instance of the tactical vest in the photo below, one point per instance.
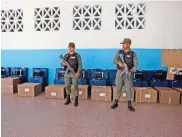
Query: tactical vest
(72, 60)
(128, 58)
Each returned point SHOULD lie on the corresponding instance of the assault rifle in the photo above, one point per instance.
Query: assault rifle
(68, 67)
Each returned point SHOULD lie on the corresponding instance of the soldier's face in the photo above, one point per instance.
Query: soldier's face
(71, 49)
(126, 46)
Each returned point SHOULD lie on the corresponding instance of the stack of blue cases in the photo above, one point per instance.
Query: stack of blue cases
(5, 72)
(177, 83)
(83, 80)
(99, 77)
(138, 82)
(149, 76)
(112, 77)
(85, 77)
(59, 77)
(139, 79)
(45, 73)
(42, 76)
(21, 73)
(159, 79)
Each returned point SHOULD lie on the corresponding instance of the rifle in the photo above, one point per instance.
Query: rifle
(125, 70)
(68, 67)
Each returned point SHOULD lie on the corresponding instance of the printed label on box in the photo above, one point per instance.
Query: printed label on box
(147, 95)
(80, 92)
(173, 70)
(26, 89)
(179, 71)
(53, 94)
(124, 94)
(102, 94)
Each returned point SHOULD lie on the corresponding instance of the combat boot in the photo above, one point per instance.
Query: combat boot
(76, 101)
(115, 105)
(68, 101)
(130, 107)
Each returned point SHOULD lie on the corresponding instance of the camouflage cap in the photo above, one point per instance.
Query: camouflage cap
(126, 40)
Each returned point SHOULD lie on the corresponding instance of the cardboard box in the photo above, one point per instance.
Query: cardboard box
(83, 92)
(171, 58)
(103, 93)
(55, 91)
(9, 85)
(123, 94)
(180, 90)
(172, 72)
(168, 95)
(170, 76)
(29, 89)
(145, 94)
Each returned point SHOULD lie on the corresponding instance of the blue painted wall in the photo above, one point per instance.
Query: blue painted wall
(149, 59)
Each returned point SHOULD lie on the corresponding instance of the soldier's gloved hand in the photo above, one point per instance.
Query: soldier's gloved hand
(77, 75)
(129, 73)
(121, 64)
(63, 64)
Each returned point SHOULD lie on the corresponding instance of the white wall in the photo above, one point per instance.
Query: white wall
(163, 27)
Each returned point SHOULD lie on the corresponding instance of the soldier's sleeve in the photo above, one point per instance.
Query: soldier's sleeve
(135, 63)
(79, 63)
(116, 58)
(62, 60)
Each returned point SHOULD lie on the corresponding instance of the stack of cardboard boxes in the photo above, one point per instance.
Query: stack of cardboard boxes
(145, 94)
(179, 90)
(12, 85)
(102, 93)
(168, 95)
(171, 58)
(9, 85)
(58, 91)
(55, 91)
(100, 85)
(29, 89)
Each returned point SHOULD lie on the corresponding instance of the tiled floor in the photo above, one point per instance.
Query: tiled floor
(40, 117)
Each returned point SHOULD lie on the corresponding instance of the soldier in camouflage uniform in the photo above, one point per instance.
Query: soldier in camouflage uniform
(130, 58)
(75, 62)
